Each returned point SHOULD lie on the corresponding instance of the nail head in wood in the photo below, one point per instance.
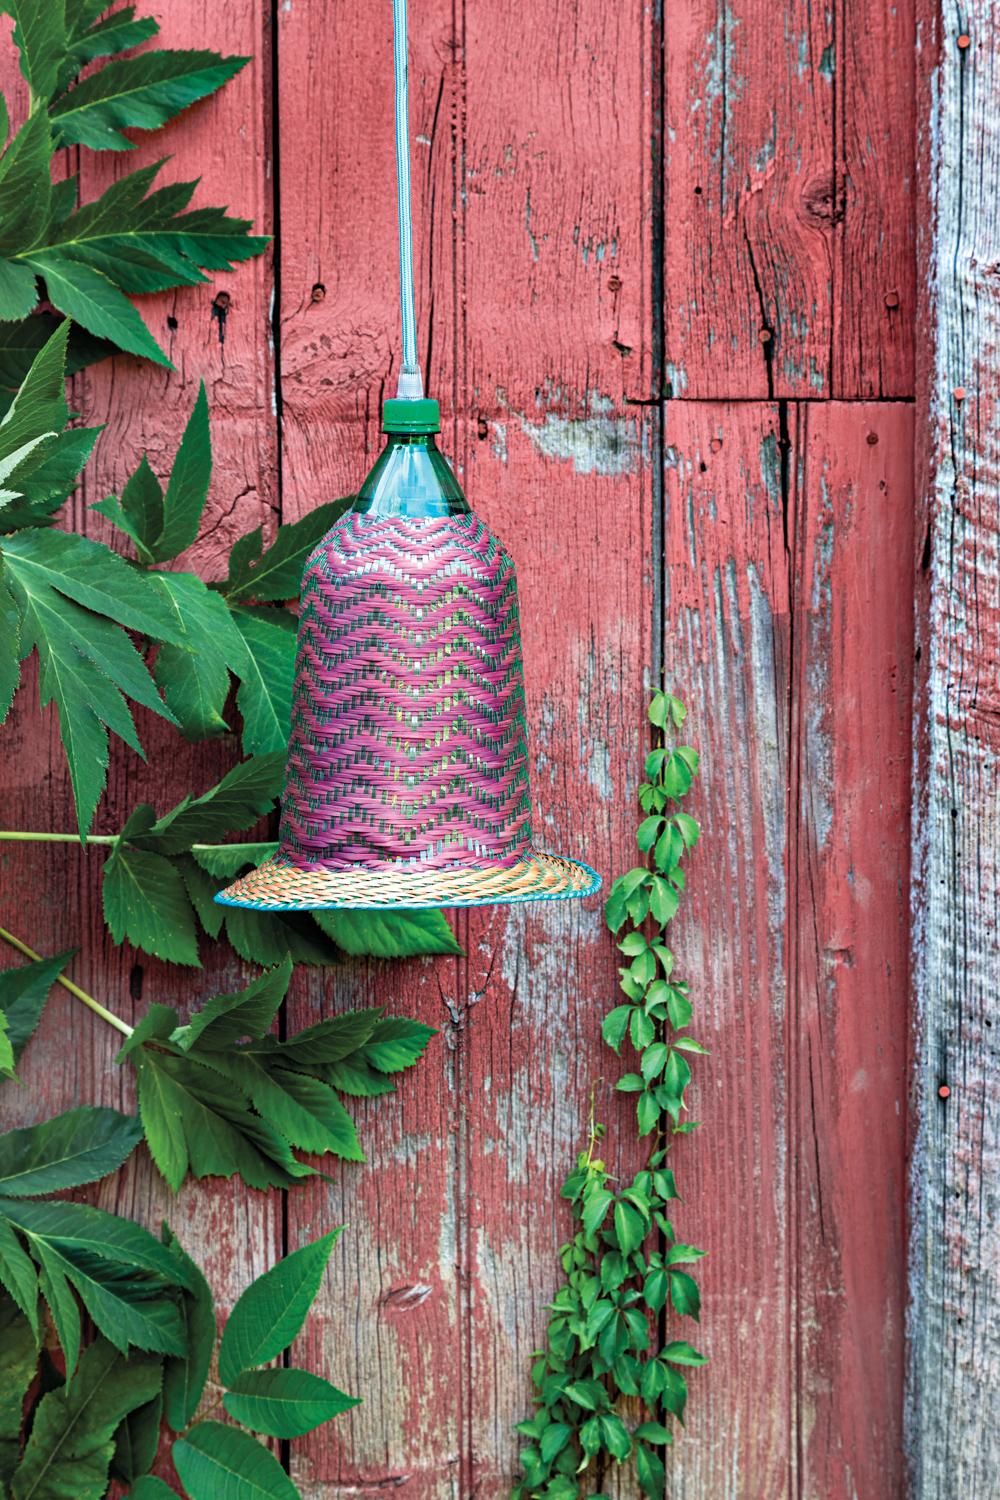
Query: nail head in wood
(892, 299)
(964, 41)
(765, 335)
(959, 393)
(615, 285)
(944, 1091)
(872, 439)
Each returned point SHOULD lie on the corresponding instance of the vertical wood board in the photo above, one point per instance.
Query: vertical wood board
(952, 1436)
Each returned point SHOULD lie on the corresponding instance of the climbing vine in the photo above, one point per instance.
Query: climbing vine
(606, 1335)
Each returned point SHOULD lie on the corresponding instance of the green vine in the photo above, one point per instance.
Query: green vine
(605, 1336)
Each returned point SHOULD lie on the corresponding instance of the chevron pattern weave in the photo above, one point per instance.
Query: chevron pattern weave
(408, 741)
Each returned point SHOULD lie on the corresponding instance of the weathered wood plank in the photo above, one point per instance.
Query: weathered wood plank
(849, 939)
(874, 272)
(953, 1439)
(727, 645)
(748, 146)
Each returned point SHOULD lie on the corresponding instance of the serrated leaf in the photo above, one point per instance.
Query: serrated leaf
(195, 680)
(214, 1461)
(139, 513)
(228, 1018)
(72, 1440)
(192, 1118)
(115, 33)
(18, 290)
(679, 1352)
(40, 37)
(151, 1487)
(226, 861)
(272, 1310)
(673, 1391)
(285, 1403)
(139, 93)
(684, 1294)
(394, 934)
(554, 1439)
(145, 901)
(40, 404)
(136, 1441)
(396, 1043)
(305, 1111)
(187, 488)
(630, 1227)
(265, 695)
(93, 300)
(47, 484)
(649, 1468)
(267, 937)
(17, 1273)
(352, 1075)
(78, 1226)
(184, 1377)
(233, 804)
(130, 1309)
(23, 993)
(595, 1208)
(157, 1025)
(81, 1145)
(10, 644)
(615, 1436)
(276, 573)
(18, 1362)
(326, 1042)
(615, 1025)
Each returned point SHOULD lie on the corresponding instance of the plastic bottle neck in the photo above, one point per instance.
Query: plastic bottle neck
(411, 478)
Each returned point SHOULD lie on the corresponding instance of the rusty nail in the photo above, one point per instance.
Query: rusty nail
(892, 299)
(222, 301)
(715, 444)
(944, 1091)
(959, 393)
(872, 439)
(482, 428)
(964, 41)
(318, 292)
(615, 285)
(765, 335)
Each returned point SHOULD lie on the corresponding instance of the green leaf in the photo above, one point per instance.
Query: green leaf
(72, 1440)
(195, 680)
(17, 1273)
(40, 37)
(78, 1146)
(277, 572)
(216, 1461)
(678, 1008)
(266, 937)
(396, 1043)
(10, 643)
(137, 92)
(226, 861)
(272, 1310)
(615, 1436)
(145, 901)
(228, 1018)
(684, 1294)
(674, 1391)
(305, 1111)
(680, 1353)
(554, 1439)
(191, 1117)
(139, 512)
(589, 1394)
(137, 1440)
(596, 1205)
(184, 1377)
(352, 1075)
(233, 804)
(77, 1227)
(62, 1304)
(649, 1468)
(630, 1227)
(187, 489)
(392, 934)
(285, 1403)
(116, 33)
(18, 291)
(93, 299)
(18, 1362)
(655, 1290)
(150, 1487)
(265, 695)
(26, 195)
(40, 405)
(128, 1307)
(157, 1025)
(615, 1026)
(326, 1042)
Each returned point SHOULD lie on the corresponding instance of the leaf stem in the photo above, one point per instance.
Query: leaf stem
(59, 838)
(74, 989)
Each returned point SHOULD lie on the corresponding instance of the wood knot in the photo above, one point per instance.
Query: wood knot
(614, 284)
(405, 1298)
(820, 202)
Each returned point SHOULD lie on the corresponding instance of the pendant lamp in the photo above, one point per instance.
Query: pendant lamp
(407, 776)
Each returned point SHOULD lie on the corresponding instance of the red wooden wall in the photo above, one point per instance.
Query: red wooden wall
(666, 299)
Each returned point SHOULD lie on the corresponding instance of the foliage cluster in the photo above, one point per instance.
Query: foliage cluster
(605, 1349)
(100, 1414)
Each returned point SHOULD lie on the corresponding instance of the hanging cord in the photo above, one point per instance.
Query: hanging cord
(411, 385)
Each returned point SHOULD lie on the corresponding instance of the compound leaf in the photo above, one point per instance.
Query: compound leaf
(184, 1377)
(276, 573)
(137, 92)
(214, 1460)
(145, 900)
(389, 934)
(265, 695)
(23, 992)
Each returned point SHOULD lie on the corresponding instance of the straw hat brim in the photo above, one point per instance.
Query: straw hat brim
(279, 886)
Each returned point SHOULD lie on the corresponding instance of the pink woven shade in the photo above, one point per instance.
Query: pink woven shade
(407, 775)
(408, 734)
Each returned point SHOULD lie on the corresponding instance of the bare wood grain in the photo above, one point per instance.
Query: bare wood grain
(954, 1386)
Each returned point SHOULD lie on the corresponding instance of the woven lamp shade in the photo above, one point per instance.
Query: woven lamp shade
(407, 778)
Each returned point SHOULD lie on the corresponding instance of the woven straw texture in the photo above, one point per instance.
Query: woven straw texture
(407, 763)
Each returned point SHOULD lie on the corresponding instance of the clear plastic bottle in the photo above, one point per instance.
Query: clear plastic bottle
(411, 476)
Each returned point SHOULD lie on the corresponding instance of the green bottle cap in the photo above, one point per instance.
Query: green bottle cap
(411, 416)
